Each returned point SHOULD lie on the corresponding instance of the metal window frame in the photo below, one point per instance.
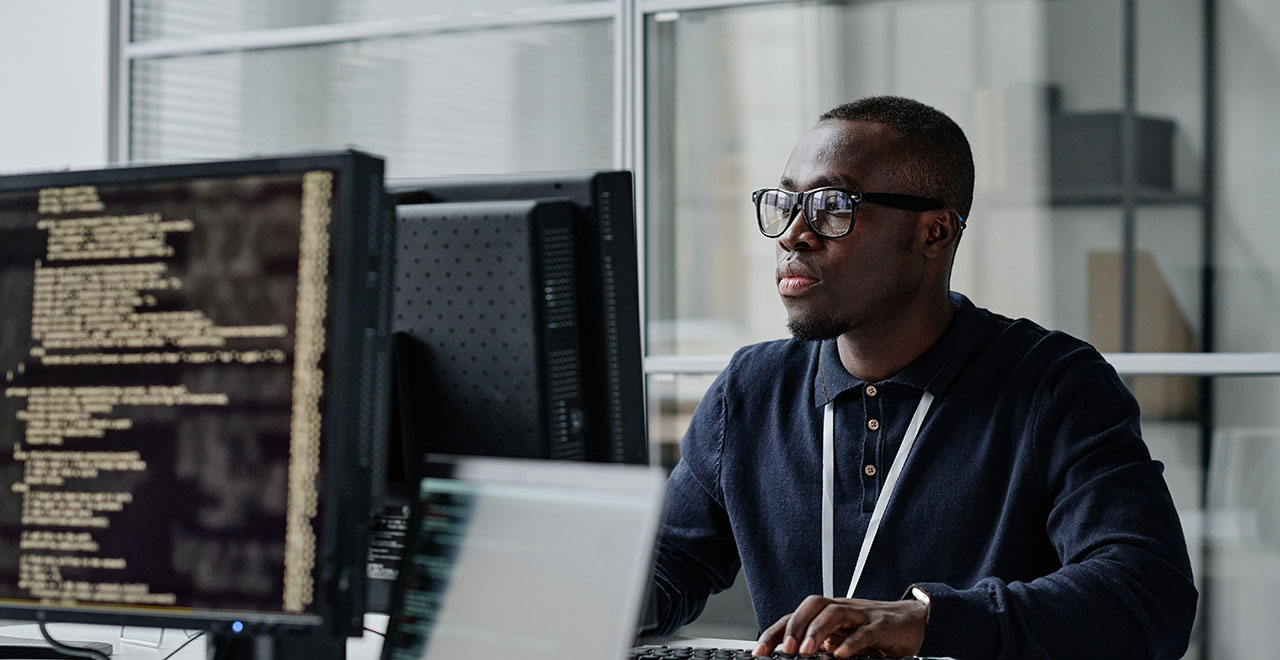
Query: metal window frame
(120, 84)
(331, 33)
(636, 163)
(630, 19)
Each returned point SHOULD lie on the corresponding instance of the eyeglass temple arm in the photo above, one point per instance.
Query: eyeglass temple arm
(907, 202)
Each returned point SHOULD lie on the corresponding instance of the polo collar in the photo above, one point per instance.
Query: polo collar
(933, 371)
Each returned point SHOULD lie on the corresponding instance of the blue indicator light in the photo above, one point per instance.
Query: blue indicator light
(237, 627)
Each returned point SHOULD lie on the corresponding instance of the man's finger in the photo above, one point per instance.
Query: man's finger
(798, 626)
(771, 636)
(859, 640)
(834, 620)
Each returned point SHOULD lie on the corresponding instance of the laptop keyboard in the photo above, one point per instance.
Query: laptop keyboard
(650, 652)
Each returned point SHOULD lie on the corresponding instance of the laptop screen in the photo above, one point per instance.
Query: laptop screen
(535, 558)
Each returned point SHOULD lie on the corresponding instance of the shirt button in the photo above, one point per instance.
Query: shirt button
(873, 424)
(870, 470)
(871, 390)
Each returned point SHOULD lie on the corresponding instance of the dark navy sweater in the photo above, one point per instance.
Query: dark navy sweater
(1029, 510)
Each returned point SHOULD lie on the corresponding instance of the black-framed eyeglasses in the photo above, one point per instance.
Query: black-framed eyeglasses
(828, 211)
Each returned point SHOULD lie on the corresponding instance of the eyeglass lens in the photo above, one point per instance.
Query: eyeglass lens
(829, 212)
(774, 210)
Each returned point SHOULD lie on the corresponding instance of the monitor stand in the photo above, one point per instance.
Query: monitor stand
(225, 646)
(22, 647)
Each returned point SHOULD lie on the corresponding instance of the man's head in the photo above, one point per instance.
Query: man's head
(892, 258)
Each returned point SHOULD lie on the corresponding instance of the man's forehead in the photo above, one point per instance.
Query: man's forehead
(838, 152)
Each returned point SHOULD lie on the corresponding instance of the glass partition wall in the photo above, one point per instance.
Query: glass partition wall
(1040, 88)
(1124, 158)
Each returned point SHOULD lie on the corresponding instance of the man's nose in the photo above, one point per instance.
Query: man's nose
(798, 234)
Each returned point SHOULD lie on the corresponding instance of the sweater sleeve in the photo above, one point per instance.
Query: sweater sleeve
(1124, 588)
(696, 555)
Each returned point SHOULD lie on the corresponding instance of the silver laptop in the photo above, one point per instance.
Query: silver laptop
(535, 559)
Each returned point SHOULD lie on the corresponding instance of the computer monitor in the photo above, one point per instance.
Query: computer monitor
(512, 336)
(606, 290)
(486, 299)
(194, 375)
(568, 546)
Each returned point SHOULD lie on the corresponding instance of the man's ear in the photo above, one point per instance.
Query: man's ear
(941, 231)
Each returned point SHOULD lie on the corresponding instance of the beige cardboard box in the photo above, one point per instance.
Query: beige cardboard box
(1160, 326)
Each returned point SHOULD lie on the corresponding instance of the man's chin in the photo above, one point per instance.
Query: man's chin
(816, 329)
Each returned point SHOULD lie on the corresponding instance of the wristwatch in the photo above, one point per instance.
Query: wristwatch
(920, 595)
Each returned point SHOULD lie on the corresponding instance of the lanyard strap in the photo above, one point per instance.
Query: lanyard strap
(882, 502)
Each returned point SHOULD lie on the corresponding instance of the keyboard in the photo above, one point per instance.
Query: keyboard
(652, 652)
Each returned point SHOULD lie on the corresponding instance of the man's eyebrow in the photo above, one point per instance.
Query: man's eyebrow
(832, 181)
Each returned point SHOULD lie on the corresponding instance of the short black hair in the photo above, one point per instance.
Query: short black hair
(930, 148)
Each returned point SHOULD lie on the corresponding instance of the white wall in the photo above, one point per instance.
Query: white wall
(53, 73)
(53, 70)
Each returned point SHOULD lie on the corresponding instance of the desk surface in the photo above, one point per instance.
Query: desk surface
(701, 642)
(133, 643)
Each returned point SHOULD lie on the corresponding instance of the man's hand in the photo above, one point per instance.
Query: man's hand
(845, 626)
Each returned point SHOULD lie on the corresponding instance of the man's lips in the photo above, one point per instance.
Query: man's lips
(795, 278)
(792, 286)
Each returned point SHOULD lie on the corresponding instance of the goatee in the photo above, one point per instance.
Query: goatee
(816, 329)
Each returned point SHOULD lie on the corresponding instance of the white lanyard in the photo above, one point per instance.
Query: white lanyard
(882, 502)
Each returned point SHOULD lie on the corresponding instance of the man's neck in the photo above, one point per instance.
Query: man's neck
(882, 350)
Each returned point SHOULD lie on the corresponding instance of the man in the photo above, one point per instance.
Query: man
(1025, 517)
